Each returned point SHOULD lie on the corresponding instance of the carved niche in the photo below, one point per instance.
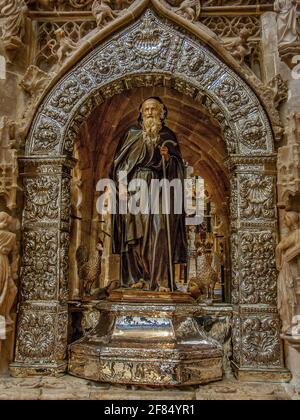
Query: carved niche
(166, 52)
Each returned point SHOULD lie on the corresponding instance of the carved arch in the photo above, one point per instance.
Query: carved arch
(169, 51)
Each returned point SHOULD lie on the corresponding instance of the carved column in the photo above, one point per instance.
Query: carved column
(43, 313)
(257, 349)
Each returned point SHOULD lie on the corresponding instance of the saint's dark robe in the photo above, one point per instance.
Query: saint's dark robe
(141, 239)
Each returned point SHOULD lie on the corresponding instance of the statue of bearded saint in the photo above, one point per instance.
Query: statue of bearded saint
(142, 239)
(8, 266)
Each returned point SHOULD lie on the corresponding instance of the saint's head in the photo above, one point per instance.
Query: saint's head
(152, 117)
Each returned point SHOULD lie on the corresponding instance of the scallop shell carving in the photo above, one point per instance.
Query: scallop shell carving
(149, 40)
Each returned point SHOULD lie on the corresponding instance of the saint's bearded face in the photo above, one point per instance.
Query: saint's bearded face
(152, 113)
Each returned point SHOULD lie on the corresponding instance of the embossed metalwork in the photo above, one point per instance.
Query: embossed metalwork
(260, 342)
(150, 52)
(171, 50)
(147, 346)
(257, 197)
(258, 280)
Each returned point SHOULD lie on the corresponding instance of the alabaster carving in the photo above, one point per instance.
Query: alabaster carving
(190, 9)
(287, 21)
(13, 30)
(104, 12)
(8, 162)
(280, 90)
(239, 47)
(288, 264)
(65, 46)
(288, 163)
(9, 258)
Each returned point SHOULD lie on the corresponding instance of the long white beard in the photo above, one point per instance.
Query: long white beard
(151, 129)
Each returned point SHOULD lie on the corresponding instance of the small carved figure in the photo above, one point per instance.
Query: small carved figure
(205, 281)
(89, 268)
(103, 12)
(279, 89)
(8, 266)
(239, 47)
(121, 3)
(288, 265)
(287, 21)
(65, 46)
(190, 9)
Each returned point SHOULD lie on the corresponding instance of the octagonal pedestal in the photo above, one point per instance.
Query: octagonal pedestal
(147, 339)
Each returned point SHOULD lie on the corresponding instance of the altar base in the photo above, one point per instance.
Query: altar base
(145, 338)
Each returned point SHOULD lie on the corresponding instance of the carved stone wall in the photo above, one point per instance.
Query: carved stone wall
(152, 51)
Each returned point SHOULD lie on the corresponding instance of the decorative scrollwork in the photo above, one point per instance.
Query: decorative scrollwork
(257, 197)
(39, 274)
(258, 280)
(42, 195)
(151, 45)
(261, 342)
(36, 336)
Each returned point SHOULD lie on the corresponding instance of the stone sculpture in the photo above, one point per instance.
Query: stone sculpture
(288, 264)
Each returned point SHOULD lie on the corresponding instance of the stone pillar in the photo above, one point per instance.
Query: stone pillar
(257, 348)
(43, 313)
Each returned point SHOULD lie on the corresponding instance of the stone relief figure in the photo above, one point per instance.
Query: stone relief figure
(287, 21)
(103, 12)
(239, 47)
(13, 29)
(190, 9)
(142, 239)
(65, 46)
(288, 264)
(8, 266)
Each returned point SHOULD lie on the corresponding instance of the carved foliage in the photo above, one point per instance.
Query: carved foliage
(36, 336)
(40, 261)
(257, 197)
(261, 342)
(257, 268)
(42, 198)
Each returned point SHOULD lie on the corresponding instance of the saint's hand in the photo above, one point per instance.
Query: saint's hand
(164, 151)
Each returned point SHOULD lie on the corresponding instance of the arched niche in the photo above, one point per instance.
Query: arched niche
(153, 52)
